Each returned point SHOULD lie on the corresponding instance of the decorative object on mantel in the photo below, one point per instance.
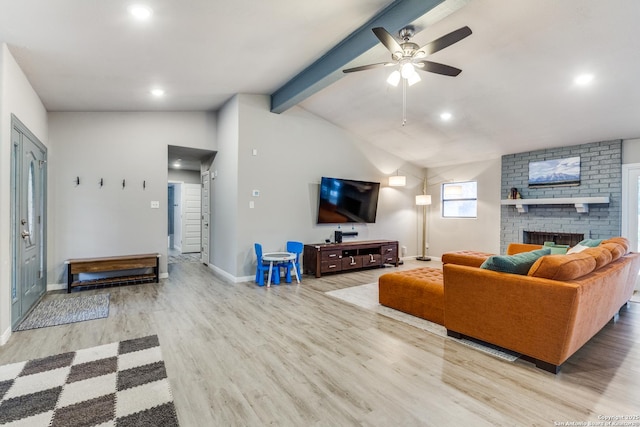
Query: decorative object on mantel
(581, 203)
(514, 193)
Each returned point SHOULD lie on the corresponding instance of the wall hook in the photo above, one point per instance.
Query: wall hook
(144, 185)
(77, 181)
(123, 184)
(101, 182)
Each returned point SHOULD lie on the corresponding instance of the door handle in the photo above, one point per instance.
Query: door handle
(25, 234)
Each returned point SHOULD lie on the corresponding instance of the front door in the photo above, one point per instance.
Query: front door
(29, 222)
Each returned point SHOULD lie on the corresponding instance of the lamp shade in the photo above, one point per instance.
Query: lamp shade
(397, 181)
(423, 199)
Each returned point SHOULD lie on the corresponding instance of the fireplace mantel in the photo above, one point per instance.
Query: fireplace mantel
(581, 203)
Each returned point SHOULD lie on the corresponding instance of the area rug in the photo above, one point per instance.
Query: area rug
(366, 296)
(124, 383)
(59, 311)
(184, 258)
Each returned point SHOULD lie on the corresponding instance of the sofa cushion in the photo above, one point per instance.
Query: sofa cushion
(616, 250)
(601, 255)
(515, 264)
(563, 267)
(623, 241)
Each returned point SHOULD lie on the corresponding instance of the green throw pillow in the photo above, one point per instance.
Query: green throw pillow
(559, 249)
(549, 243)
(592, 243)
(515, 264)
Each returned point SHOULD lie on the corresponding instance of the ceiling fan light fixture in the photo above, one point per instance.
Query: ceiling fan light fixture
(407, 70)
(394, 78)
(413, 79)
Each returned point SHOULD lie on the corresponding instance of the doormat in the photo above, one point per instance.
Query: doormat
(123, 383)
(60, 311)
(366, 296)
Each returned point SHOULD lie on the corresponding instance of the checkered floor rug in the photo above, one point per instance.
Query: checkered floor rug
(123, 384)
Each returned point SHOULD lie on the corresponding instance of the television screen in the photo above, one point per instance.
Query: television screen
(555, 172)
(347, 200)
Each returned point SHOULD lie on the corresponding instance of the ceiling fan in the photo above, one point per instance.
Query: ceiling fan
(408, 55)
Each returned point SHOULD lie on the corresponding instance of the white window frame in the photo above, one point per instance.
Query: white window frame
(444, 199)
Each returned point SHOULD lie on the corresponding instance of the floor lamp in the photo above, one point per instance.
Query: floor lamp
(424, 200)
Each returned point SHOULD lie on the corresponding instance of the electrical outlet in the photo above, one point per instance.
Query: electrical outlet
(155, 204)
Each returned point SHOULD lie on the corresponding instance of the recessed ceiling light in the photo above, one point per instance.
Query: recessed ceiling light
(583, 79)
(140, 12)
(157, 92)
(446, 116)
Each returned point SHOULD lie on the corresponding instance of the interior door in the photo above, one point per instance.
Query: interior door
(29, 222)
(191, 218)
(204, 227)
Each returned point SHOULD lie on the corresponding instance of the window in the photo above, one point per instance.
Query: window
(460, 199)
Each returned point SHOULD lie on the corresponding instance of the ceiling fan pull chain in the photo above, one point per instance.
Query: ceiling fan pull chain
(404, 101)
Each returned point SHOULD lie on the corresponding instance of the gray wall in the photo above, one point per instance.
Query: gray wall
(453, 234)
(295, 149)
(16, 97)
(184, 176)
(94, 221)
(601, 175)
(631, 151)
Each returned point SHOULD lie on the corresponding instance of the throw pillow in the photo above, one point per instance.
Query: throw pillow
(515, 264)
(559, 249)
(563, 267)
(590, 242)
(577, 248)
(601, 255)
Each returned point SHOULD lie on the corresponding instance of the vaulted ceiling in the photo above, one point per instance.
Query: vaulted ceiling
(516, 91)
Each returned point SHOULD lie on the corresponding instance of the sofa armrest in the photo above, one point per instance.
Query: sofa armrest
(516, 248)
(529, 315)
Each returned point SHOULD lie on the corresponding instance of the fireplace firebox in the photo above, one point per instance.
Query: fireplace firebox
(539, 237)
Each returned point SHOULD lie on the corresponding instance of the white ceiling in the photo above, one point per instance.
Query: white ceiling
(516, 91)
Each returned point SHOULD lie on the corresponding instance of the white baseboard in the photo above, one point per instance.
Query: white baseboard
(433, 258)
(163, 275)
(4, 338)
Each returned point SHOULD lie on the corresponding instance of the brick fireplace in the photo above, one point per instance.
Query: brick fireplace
(600, 175)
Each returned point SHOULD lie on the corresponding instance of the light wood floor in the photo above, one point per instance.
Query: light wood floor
(241, 355)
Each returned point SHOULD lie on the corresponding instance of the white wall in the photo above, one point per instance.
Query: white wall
(94, 221)
(295, 149)
(16, 97)
(452, 234)
(631, 151)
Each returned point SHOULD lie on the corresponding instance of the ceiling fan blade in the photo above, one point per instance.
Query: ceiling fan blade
(389, 42)
(435, 67)
(444, 41)
(368, 67)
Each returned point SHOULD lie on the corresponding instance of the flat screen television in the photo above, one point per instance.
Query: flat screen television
(347, 200)
(555, 172)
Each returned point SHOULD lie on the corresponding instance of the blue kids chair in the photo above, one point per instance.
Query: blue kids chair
(296, 248)
(263, 267)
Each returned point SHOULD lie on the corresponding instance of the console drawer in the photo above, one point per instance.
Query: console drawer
(351, 262)
(329, 266)
(371, 260)
(331, 255)
(389, 254)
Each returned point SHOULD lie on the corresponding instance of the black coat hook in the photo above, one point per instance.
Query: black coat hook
(123, 184)
(77, 181)
(144, 185)
(101, 182)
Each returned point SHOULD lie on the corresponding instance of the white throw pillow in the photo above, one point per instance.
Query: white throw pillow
(576, 249)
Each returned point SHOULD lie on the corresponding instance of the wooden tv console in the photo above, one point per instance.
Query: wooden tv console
(347, 256)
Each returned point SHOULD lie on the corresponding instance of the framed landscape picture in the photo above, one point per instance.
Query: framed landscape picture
(555, 172)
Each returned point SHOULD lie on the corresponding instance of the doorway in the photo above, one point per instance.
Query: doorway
(631, 206)
(28, 220)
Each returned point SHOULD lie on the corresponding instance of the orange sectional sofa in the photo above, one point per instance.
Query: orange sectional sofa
(546, 315)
